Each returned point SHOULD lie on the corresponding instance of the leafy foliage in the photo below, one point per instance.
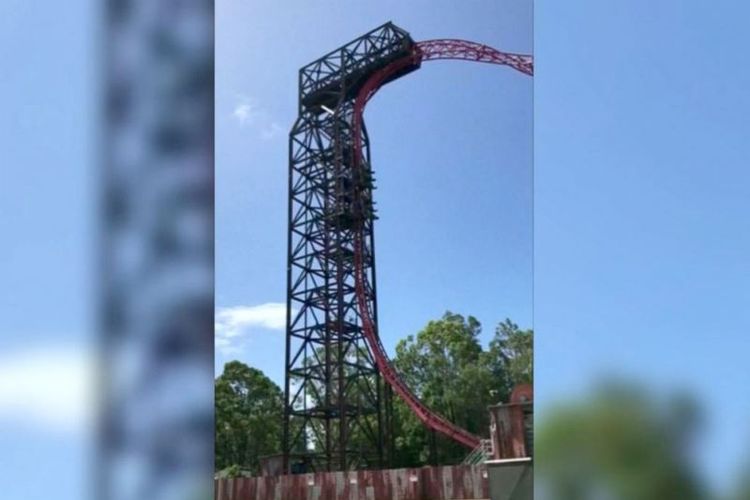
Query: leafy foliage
(249, 414)
(513, 351)
(446, 366)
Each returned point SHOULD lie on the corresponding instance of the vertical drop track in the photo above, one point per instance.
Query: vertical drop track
(423, 51)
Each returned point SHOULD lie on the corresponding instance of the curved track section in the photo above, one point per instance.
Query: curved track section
(424, 51)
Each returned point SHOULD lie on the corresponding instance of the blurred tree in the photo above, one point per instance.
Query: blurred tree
(619, 445)
(743, 489)
(249, 417)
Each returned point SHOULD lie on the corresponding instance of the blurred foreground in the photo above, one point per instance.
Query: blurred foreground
(157, 286)
(131, 141)
(625, 442)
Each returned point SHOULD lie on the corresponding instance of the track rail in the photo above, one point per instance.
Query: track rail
(429, 50)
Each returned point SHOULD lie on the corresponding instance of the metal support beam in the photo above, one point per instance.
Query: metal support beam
(336, 412)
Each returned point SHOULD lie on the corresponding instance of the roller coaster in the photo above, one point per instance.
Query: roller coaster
(333, 349)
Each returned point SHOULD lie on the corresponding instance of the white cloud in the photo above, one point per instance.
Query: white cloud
(47, 388)
(225, 345)
(232, 323)
(243, 111)
(271, 131)
(249, 113)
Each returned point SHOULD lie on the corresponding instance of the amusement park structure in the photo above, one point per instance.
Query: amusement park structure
(339, 381)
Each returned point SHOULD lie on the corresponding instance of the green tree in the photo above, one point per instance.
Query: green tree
(249, 415)
(621, 444)
(361, 392)
(447, 368)
(512, 349)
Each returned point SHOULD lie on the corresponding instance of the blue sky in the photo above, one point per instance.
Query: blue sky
(641, 192)
(641, 196)
(46, 215)
(451, 148)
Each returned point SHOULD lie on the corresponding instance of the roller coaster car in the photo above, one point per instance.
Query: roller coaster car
(344, 199)
(345, 327)
(345, 254)
(347, 219)
(352, 214)
(344, 181)
(365, 180)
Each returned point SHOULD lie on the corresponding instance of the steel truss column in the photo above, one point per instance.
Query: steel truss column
(335, 413)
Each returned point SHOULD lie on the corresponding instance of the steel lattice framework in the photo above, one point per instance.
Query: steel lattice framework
(337, 412)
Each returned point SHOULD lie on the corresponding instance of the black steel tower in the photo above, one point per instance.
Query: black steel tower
(337, 410)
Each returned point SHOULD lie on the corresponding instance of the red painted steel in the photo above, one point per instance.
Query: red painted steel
(459, 482)
(423, 51)
(472, 51)
(521, 397)
(508, 424)
(522, 393)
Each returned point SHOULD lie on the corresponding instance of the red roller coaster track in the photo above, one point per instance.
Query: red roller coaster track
(423, 51)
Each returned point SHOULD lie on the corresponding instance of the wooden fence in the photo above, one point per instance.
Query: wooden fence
(457, 482)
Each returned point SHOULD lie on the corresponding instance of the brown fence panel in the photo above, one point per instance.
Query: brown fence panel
(455, 482)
